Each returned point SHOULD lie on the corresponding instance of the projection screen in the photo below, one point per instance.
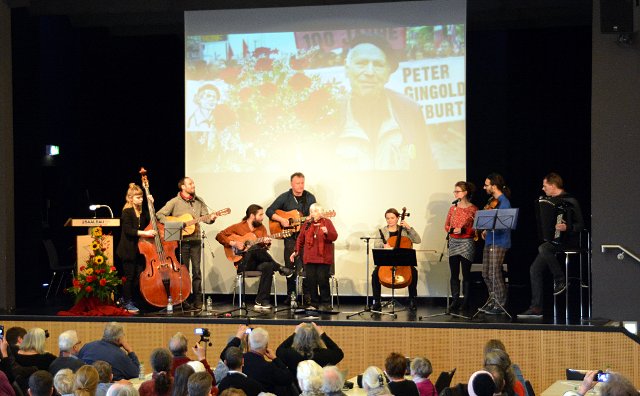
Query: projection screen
(270, 92)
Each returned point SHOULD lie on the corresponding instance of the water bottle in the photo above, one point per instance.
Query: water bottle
(209, 304)
(170, 305)
(294, 304)
(141, 375)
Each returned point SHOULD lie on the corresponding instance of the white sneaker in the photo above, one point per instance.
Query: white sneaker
(262, 306)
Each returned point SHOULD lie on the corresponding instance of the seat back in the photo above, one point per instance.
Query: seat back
(575, 375)
(529, 387)
(444, 380)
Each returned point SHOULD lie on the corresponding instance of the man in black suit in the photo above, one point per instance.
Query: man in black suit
(235, 378)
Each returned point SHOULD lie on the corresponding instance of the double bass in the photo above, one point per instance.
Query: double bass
(163, 275)
(402, 273)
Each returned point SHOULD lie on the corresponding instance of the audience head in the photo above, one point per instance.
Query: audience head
(395, 365)
(178, 344)
(68, 342)
(501, 359)
(374, 381)
(494, 344)
(63, 381)
(122, 390)
(306, 339)
(233, 358)
(309, 375)
(197, 366)
(40, 384)
(199, 384)
(498, 375)
(258, 339)
(34, 340)
(618, 386)
(113, 332)
(181, 378)
(161, 360)
(421, 367)
(332, 379)
(15, 335)
(104, 371)
(481, 384)
(233, 392)
(87, 380)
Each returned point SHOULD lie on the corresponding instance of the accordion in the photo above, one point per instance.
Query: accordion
(549, 212)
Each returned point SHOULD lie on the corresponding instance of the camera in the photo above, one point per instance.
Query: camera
(602, 376)
(1, 332)
(46, 334)
(203, 332)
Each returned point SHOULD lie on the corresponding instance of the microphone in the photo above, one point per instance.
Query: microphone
(455, 202)
(309, 223)
(94, 207)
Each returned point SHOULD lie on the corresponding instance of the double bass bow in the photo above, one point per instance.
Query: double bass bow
(163, 276)
(402, 273)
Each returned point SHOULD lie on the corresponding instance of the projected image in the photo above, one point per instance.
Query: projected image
(369, 99)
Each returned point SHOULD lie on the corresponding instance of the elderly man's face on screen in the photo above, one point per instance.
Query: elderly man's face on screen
(367, 69)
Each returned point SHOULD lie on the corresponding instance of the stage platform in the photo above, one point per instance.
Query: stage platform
(543, 348)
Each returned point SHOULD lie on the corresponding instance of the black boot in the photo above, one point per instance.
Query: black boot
(455, 293)
(466, 290)
(455, 303)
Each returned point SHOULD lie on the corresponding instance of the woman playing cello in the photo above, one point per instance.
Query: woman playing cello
(391, 230)
(459, 226)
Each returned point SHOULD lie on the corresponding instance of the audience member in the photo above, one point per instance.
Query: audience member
(9, 366)
(181, 379)
(200, 384)
(161, 381)
(309, 341)
(105, 376)
(40, 384)
(63, 381)
(309, 376)
(122, 390)
(69, 346)
(178, 345)
(15, 336)
(481, 384)
(5, 385)
(420, 371)
(32, 351)
(617, 385)
(87, 380)
(501, 358)
(332, 381)
(497, 344)
(374, 382)
(233, 392)
(235, 378)
(498, 375)
(114, 349)
(395, 365)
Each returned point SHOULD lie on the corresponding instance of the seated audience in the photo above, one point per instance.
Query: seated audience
(14, 372)
(32, 351)
(501, 358)
(498, 375)
(497, 344)
(309, 341)
(5, 386)
(63, 381)
(235, 378)
(178, 345)
(420, 371)
(481, 384)
(86, 382)
(161, 382)
(374, 382)
(15, 336)
(200, 384)
(616, 386)
(332, 381)
(40, 384)
(395, 365)
(310, 378)
(233, 392)
(181, 379)
(105, 376)
(122, 390)
(69, 346)
(114, 349)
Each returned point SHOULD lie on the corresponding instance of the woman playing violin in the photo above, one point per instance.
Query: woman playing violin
(391, 229)
(459, 226)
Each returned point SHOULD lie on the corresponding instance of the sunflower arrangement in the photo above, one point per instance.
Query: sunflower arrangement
(97, 278)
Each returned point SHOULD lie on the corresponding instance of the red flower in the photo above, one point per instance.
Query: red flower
(230, 74)
(124, 279)
(77, 283)
(298, 64)
(90, 278)
(320, 97)
(88, 289)
(103, 282)
(299, 81)
(112, 268)
(268, 89)
(224, 116)
(262, 51)
(82, 268)
(264, 64)
(245, 93)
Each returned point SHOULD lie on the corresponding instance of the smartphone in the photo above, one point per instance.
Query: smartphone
(199, 331)
(1, 332)
(602, 376)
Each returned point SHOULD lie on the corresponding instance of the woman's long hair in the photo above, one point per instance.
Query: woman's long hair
(306, 340)
(87, 380)
(161, 360)
(181, 379)
(132, 191)
(501, 359)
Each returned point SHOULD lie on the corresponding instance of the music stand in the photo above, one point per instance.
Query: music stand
(495, 219)
(366, 308)
(397, 257)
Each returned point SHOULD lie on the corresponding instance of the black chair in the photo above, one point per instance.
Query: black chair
(444, 380)
(529, 387)
(55, 266)
(575, 375)
(458, 390)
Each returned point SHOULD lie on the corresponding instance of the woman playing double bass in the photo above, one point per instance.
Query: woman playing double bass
(391, 229)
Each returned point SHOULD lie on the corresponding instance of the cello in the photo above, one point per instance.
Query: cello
(163, 275)
(402, 273)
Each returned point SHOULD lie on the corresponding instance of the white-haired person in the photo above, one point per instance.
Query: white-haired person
(32, 351)
(122, 390)
(69, 346)
(261, 363)
(63, 381)
(420, 371)
(374, 382)
(309, 341)
(616, 385)
(315, 241)
(310, 378)
(332, 381)
(114, 349)
(179, 345)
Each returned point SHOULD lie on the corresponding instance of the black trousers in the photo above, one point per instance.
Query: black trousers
(297, 266)
(317, 278)
(190, 250)
(455, 263)
(258, 259)
(131, 287)
(376, 287)
(546, 259)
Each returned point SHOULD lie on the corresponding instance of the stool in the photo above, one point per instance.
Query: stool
(333, 284)
(251, 274)
(580, 252)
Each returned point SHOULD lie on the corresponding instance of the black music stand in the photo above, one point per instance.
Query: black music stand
(397, 257)
(492, 220)
(366, 308)
(173, 232)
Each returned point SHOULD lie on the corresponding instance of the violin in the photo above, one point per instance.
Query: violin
(492, 203)
(402, 273)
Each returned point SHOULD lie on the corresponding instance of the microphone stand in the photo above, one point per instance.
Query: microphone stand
(367, 308)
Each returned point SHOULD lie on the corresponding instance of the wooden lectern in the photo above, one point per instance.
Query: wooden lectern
(83, 242)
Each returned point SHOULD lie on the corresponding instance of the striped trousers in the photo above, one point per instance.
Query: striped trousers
(492, 259)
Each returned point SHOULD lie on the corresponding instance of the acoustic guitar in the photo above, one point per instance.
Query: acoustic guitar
(295, 220)
(190, 223)
(248, 240)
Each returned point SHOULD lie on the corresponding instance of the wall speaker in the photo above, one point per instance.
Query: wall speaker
(619, 16)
